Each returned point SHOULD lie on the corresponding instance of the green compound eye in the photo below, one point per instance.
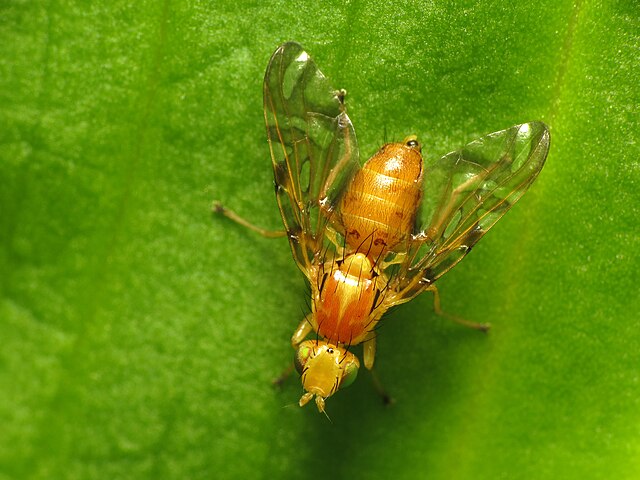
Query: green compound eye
(301, 357)
(350, 374)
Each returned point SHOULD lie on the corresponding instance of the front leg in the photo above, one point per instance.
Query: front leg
(369, 352)
(302, 331)
(298, 337)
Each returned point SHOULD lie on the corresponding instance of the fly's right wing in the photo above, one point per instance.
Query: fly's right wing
(313, 147)
(465, 193)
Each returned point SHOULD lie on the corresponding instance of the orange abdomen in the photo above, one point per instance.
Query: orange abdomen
(378, 210)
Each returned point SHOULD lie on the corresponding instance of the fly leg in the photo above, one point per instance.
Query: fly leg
(304, 328)
(483, 327)
(369, 354)
(377, 384)
(220, 209)
(280, 379)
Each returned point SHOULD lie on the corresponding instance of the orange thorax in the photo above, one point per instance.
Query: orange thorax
(346, 300)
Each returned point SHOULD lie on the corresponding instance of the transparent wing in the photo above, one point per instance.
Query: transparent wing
(313, 147)
(465, 193)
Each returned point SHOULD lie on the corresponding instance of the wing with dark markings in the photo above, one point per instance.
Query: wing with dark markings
(313, 147)
(465, 193)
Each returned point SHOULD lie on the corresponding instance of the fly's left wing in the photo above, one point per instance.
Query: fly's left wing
(313, 147)
(465, 193)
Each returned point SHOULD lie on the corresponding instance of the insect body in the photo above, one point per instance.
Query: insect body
(373, 237)
(378, 209)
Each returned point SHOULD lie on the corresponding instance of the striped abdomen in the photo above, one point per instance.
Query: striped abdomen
(378, 209)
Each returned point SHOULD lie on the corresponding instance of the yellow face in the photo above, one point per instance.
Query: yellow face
(324, 368)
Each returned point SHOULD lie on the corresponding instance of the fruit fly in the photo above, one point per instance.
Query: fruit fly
(372, 237)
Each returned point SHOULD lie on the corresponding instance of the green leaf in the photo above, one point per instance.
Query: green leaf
(139, 337)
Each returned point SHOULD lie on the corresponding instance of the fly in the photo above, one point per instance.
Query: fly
(372, 237)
